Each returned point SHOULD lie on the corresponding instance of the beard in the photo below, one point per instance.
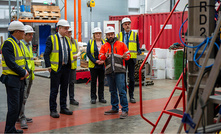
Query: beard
(110, 40)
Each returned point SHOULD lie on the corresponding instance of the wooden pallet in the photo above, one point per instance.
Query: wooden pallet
(46, 11)
(45, 18)
(22, 18)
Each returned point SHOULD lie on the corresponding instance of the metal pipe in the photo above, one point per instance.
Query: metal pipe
(17, 9)
(65, 9)
(79, 20)
(9, 4)
(140, 73)
(39, 21)
(75, 19)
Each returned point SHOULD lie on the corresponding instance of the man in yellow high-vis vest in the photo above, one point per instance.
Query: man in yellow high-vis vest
(27, 47)
(59, 61)
(14, 72)
(130, 38)
(76, 52)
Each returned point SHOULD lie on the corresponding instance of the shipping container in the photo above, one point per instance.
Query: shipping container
(153, 23)
(149, 25)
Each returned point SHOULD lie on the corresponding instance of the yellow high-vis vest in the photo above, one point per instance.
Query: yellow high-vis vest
(74, 51)
(29, 58)
(54, 56)
(132, 44)
(19, 58)
(91, 64)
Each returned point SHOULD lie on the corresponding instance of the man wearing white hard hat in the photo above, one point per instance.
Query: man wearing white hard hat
(58, 60)
(27, 47)
(130, 38)
(114, 53)
(14, 72)
(76, 53)
(96, 66)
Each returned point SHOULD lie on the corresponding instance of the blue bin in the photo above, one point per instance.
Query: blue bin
(27, 8)
(22, 8)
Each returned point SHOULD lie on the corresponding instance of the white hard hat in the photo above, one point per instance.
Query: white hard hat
(70, 29)
(29, 29)
(97, 30)
(126, 19)
(16, 25)
(63, 23)
(109, 29)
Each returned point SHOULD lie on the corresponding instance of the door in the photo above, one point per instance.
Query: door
(114, 24)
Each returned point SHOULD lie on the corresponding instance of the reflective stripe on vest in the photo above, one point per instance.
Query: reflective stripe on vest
(132, 44)
(90, 63)
(29, 58)
(19, 58)
(74, 51)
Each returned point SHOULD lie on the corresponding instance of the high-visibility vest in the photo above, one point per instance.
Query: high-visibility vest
(19, 58)
(132, 44)
(29, 58)
(74, 51)
(90, 63)
(54, 56)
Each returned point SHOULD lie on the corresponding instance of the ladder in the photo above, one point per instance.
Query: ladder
(205, 97)
(174, 112)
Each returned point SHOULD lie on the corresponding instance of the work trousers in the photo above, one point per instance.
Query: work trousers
(116, 81)
(14, 101)
(72, 79)
(61, 79)
(97, 73)
(130, 64)
(26, 94)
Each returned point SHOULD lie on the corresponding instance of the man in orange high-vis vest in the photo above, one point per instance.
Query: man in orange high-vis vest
(114, 53)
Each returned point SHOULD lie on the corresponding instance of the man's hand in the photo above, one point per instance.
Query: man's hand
(27, 74)
(49, 69)
(125, 55)
(107, 54)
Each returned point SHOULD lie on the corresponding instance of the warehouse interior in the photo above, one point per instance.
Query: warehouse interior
(177, 74)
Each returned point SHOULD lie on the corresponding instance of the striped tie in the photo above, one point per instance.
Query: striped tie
(65, 52)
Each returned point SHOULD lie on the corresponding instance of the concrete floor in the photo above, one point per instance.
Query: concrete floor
(89, 118)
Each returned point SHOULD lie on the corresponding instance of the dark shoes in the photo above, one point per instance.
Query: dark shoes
(93, 101)
(102, 101)
(132, 100)
(124, 115)
(109, 112)
(74, 102)
(54, 114)
(24, 124)
(66, 111)
(29, 120)
(19, 131)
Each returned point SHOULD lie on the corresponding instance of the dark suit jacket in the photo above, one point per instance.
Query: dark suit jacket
(9, 56)
(48, 51)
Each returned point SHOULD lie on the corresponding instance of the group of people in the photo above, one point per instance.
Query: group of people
(110, 57)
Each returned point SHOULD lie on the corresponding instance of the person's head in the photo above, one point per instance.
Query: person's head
(126, 23)
(110, 33)
(28, 33)
(69, 33)
(63, 27)
(16, 29)
(97, 33)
